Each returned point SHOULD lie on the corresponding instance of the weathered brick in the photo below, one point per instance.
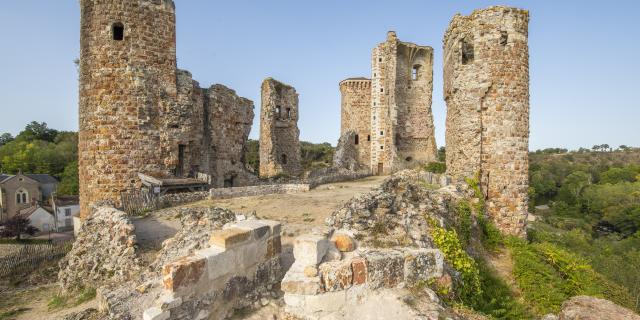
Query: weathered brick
(183, 272)
(359, 268)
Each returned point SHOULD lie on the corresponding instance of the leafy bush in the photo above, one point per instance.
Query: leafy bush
(436, 167)
(450, 245)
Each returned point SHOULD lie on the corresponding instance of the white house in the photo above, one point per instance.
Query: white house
(66, 208)
(39, 218)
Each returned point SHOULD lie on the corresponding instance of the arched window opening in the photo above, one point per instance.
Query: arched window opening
(283, 157)
(22, 196)
(368, 137)
(357, 139)
(278, 112)
(288, 113)
(415, 72)
(117, 31)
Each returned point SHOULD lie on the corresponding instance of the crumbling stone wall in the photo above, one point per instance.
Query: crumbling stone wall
(139, 113)
(332, 273)
(486, 88)
(230, 120)
(356, 117)
(279, 133)
(241, 264)
(105, 251)
(402, 130)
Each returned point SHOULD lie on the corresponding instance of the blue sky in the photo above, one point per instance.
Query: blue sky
(584, 59)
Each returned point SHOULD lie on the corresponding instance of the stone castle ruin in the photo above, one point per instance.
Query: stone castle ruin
(486, 88)
(279, 133)
(391, 113)
(143, 119)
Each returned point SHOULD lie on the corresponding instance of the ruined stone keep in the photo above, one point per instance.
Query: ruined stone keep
(486, 88)
(279, 133)
(140, 114)
(398, 121)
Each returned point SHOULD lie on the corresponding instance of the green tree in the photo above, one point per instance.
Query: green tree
(5, 138)
(17, 226)
(69, 180)
(37, 131)
(573, 186)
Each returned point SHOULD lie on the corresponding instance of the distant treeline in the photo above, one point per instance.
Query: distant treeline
(40, 149)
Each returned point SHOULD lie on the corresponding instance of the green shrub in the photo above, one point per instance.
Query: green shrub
(463, 223)
(491, 236)
(497, 299)
(450, 245)
(436, 167)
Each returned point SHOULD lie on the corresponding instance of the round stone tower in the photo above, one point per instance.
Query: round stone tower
(127, 81)
(486, 88)
(356, 115)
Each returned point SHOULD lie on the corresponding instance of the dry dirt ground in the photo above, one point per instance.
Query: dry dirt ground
(299, 213)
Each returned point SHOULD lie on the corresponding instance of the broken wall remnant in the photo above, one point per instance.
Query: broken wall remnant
(140, 114)
(355, 117)
(230, 120)
(401, 89)
(241, 263)
(331, 273)
(486, 88)
(279, 133)
(104, 251)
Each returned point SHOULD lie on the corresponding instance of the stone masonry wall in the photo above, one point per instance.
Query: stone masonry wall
(123, 85)
(486, 87)
(230, 119)
(356, 116)
(402, 130)
(332, 273)
(279, 133)
(241, 263)
(235, 192)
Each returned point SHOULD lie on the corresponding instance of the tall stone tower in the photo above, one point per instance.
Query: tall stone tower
(356, 115)
(486, 88)
(127, 81)
(279, 133)
(402, 131)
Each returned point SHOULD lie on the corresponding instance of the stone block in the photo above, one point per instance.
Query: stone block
(385, 268)
(155, 313)
(336, 275)
(183, 272)
(422, 264)
(229, 238)
(310, 249)
(297, 283)
(258, 229)
(219, 262)
(276, 227)
(359, 269)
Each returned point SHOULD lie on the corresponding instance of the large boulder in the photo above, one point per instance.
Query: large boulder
(590, 308)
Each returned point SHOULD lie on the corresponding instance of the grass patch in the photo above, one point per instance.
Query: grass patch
(63, 301)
